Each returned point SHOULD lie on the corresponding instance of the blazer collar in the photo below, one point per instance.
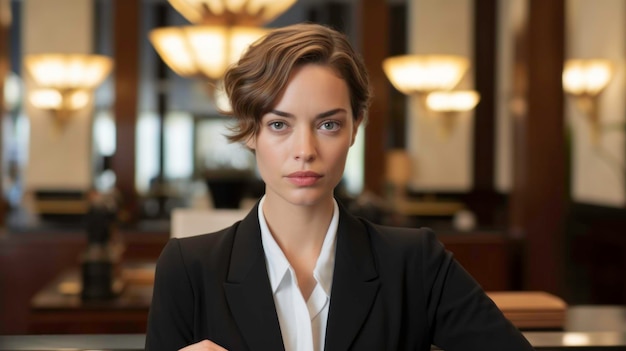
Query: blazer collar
(248, 289)
(355, 283)
(249, 294)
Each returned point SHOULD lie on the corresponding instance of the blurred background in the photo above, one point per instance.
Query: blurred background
(498, 123)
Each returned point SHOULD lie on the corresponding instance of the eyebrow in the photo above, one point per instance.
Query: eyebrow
(321, 115)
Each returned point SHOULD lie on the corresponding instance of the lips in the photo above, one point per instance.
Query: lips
(304, 178)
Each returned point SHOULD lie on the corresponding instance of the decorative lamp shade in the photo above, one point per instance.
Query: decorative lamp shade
(50, 99)
(586, 77)
(412, 74)
(452, 101)
(398, 167)
(68, 71)
(203, 51)
(259, 11)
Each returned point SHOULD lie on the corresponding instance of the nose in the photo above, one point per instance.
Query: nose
(305, 145)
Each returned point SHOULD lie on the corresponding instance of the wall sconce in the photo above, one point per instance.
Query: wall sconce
(65, 81)
(222, 30)
(432, 78)
(450, 103)
(584, 80)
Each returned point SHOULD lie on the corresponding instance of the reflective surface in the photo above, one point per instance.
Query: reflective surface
(595, 318)
(135, 342)
(577, 340)
(112, 342)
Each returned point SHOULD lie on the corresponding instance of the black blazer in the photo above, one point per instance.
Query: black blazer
(393, 289)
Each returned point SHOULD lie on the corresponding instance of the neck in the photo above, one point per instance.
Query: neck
(298, 229)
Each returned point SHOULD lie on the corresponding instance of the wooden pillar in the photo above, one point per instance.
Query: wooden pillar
(398, 42)
(126, 74)
(5, 16)
(538, 196)
(374, 35)
(483, 199)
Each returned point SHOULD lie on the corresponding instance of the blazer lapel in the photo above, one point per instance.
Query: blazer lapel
(355, 283)
(248, 289)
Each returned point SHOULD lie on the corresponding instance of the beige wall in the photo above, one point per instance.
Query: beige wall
(596, 29)
(440, 27)
(58, 159)
(511, 14)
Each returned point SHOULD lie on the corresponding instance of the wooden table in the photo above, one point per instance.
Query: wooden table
(59, 309)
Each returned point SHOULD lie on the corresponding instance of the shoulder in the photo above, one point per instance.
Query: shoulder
(401, 236)
(206, 243)
(417, 247)
(199, 250)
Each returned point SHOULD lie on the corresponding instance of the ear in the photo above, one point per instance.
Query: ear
(355, 127)
(251, 142)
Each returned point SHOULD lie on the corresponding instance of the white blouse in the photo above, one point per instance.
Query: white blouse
(302, 323)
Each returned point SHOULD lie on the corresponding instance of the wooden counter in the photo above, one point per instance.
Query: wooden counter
(578, 341)
(59, 309)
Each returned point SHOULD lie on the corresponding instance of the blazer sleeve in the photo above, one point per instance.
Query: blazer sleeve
(170, 321)
(460, 314)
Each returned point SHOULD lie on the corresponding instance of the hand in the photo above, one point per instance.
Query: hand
(204, 345)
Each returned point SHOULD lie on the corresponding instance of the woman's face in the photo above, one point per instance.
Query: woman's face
(302, 144)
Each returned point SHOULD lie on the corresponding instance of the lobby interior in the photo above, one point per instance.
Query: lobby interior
(527, 188)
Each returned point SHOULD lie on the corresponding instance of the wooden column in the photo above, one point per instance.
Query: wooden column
(374, 34)
(485, 81)
(538, 197)
(126, 73)
(5, 15)
(398, 42)
(483, 199)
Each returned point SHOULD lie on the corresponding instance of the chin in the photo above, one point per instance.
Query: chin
(307, 197)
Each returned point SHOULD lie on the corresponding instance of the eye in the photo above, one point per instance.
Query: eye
(330, 125)
(277, 125)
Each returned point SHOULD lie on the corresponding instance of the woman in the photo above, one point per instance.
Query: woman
(299, 272)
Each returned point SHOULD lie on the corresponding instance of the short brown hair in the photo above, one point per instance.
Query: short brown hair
(255, 82)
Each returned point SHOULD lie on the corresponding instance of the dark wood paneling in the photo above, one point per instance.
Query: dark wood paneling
(374, 35)
(485, 23)
(27, 263)
(397, 100)
(487, 257)
(597, 254)
(126, 75)
(482, 199)
(539, 193)
(332, 14)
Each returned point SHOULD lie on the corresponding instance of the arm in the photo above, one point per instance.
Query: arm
(170, 322)
(460, 314)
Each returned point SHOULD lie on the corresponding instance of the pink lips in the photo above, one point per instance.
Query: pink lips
(304, 178)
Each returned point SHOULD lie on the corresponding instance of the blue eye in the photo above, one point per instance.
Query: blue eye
(330, 125)
(277, 125)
